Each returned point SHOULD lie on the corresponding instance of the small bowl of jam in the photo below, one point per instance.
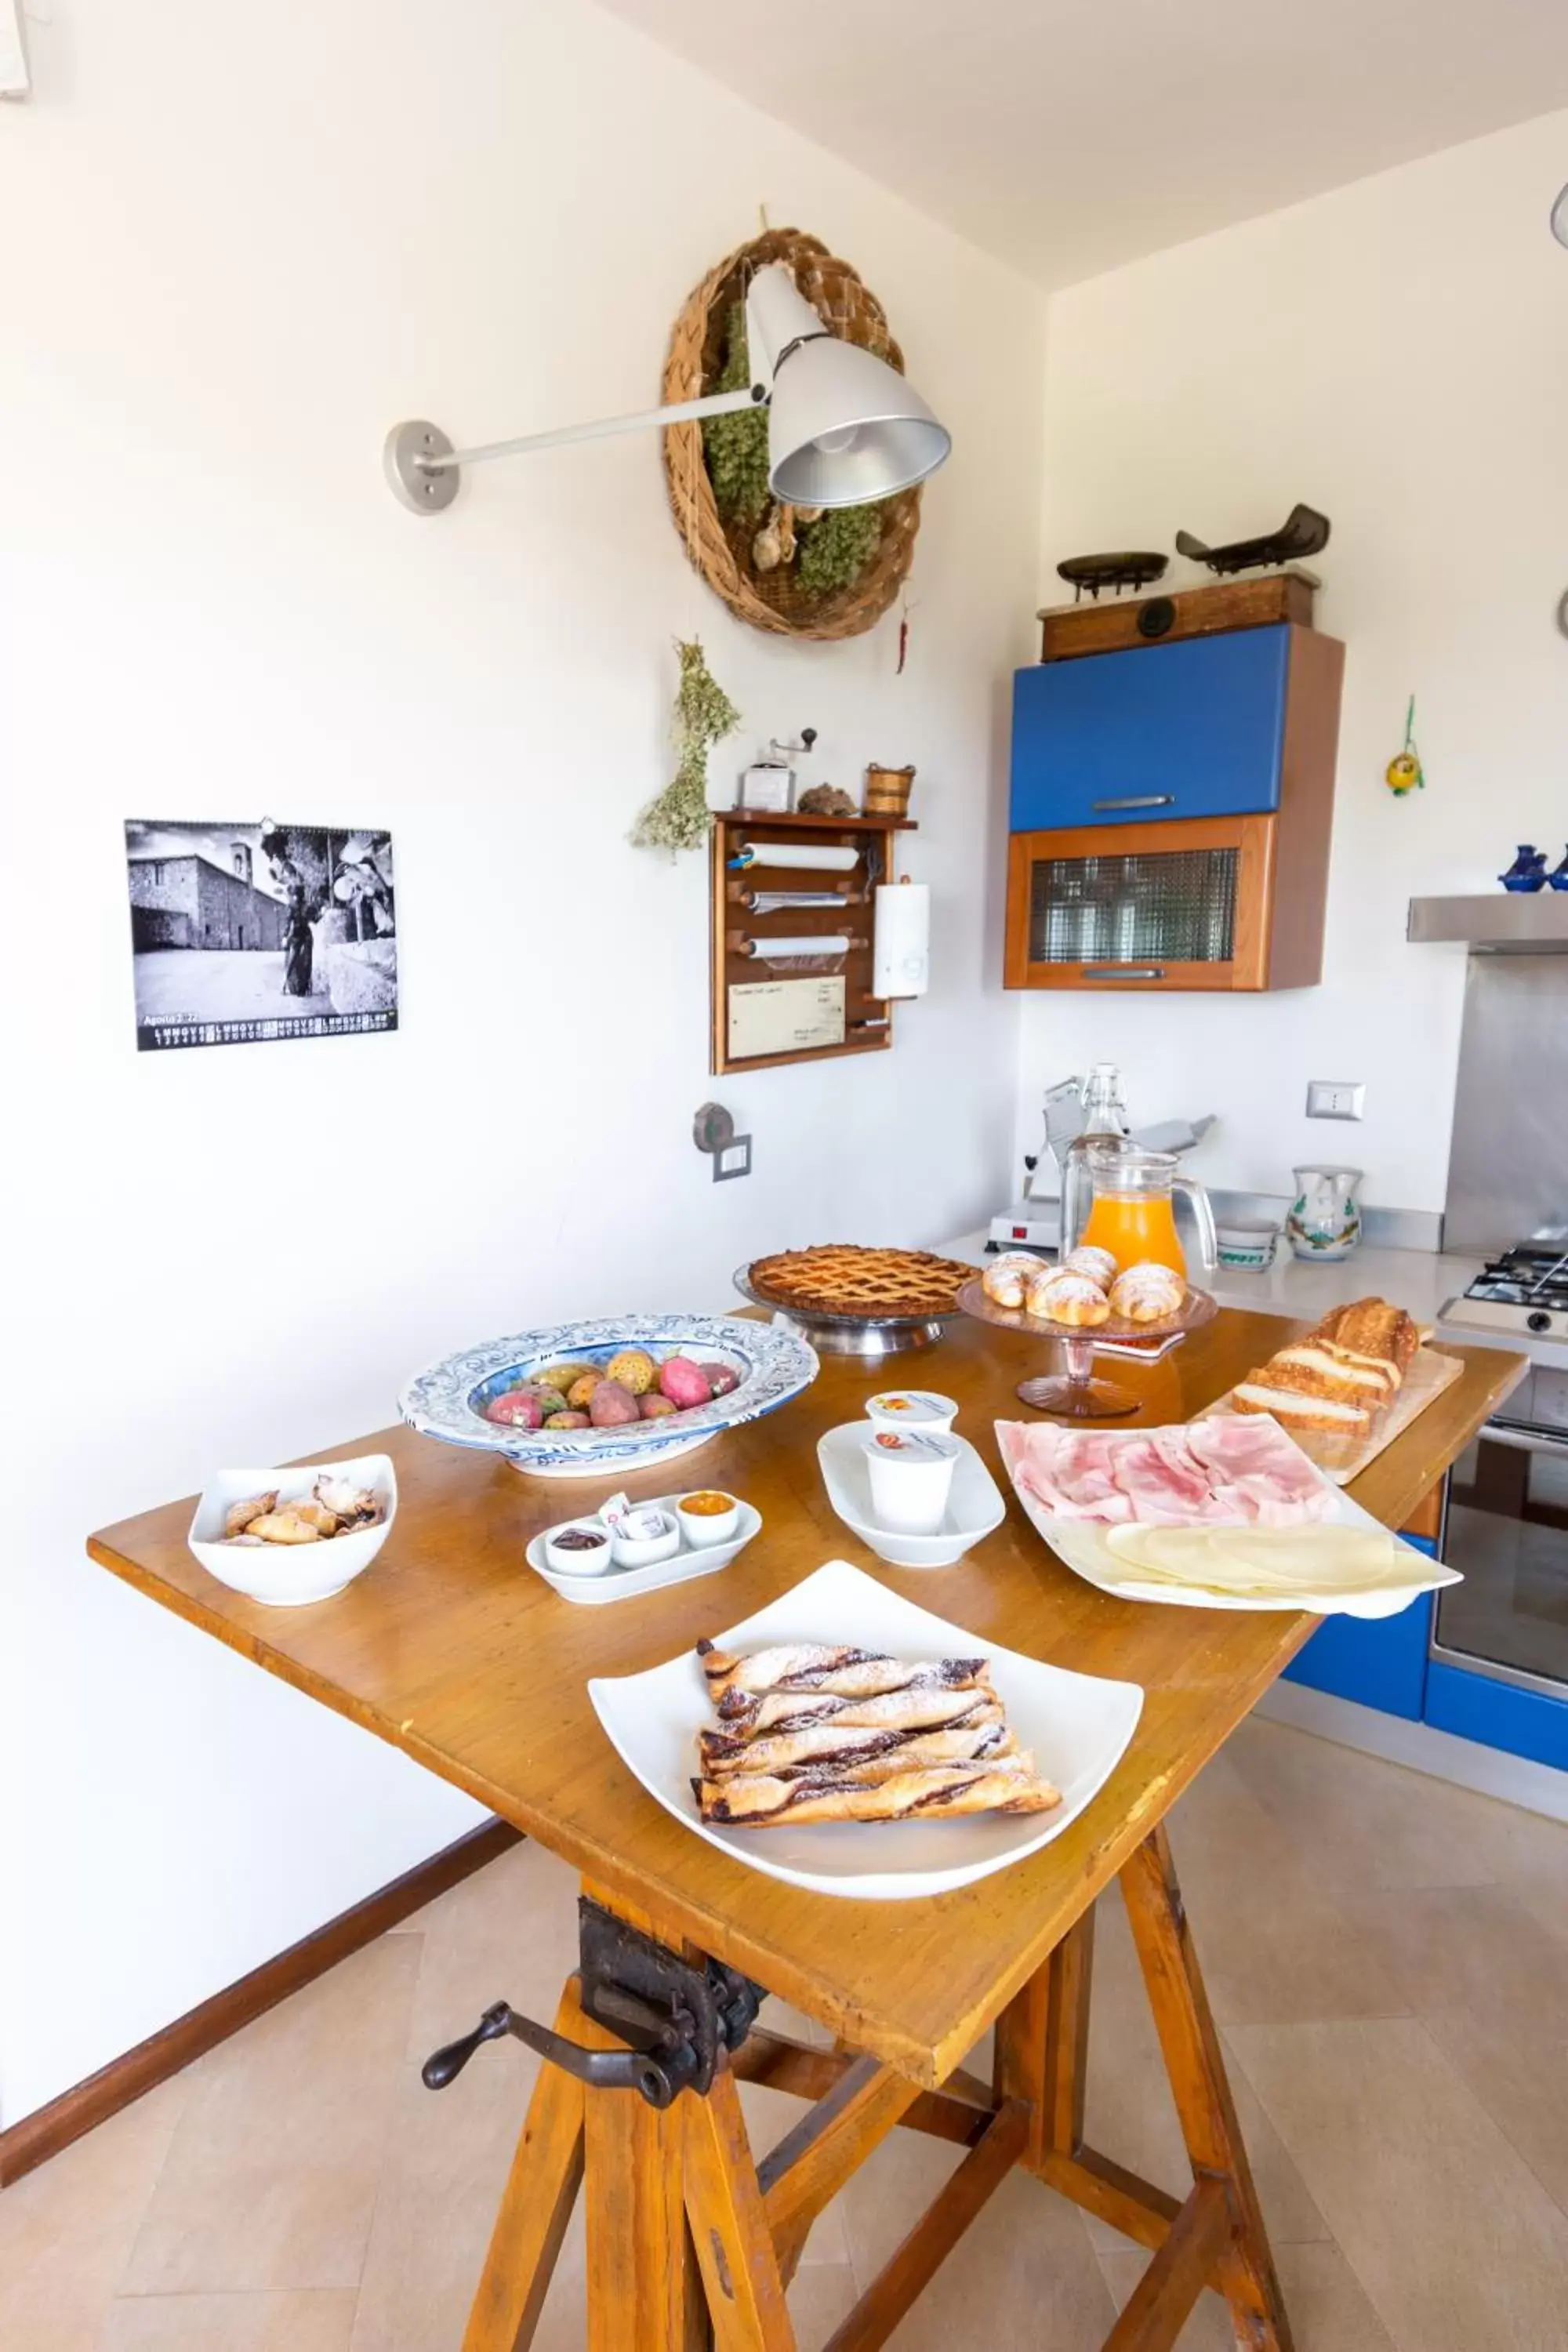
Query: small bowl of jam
(708, 1517)
(581, 1548)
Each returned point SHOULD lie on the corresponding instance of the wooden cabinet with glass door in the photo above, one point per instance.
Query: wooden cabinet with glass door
(1170, 813)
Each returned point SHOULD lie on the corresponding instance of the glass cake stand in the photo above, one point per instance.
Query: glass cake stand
(1073, 1395)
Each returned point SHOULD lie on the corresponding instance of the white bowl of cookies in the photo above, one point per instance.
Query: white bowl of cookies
(1087, 1291)
(287, 1537)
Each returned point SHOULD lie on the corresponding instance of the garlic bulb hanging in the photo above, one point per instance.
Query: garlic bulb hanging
(767, 548)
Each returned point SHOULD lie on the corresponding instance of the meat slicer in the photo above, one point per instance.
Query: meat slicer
(1035, 1222)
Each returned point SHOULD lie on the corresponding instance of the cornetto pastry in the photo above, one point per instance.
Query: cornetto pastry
(1071, 1299)
(1087, 1258)
(1006, 1279)
(842, 1278)
(1147, 1293)
(813, 1732)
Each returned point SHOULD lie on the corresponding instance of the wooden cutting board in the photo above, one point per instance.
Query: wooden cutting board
(1342, 1459)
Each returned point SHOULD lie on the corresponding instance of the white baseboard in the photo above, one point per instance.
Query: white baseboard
(1489, 1770)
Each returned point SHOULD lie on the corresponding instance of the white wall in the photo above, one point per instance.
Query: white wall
(239, 243)
(1395, 354)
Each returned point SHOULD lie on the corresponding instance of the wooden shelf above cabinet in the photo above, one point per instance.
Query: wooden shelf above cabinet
(850, 916)
(1070, 630)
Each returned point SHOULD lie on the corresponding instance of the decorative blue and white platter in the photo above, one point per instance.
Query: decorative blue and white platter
(448, 1399)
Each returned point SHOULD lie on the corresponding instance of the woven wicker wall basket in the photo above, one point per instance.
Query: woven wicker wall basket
(721, 552)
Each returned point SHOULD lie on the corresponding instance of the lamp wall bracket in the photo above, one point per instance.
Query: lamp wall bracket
(423, 487)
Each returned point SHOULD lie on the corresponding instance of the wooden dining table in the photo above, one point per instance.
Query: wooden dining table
(452, 1650)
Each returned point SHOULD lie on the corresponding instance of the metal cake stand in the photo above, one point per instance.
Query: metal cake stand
(870, 1337)
(1074, 1394)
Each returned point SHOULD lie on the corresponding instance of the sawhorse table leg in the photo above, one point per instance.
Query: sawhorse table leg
(692, 2241)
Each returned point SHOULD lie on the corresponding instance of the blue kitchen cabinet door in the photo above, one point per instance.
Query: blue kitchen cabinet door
(1196, 729)
(1377, 1661)
(1498, 1714)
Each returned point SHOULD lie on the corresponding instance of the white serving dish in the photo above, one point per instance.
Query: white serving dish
(599, 1585)
(1077, 1725)
(974, 1504)
(448, 1400)
(286, 1576)
(1081, 1544)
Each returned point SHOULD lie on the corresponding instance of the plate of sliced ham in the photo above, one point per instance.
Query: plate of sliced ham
(1085, 1488)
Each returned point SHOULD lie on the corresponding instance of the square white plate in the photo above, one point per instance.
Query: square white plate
(974, 1506)
(1081, 1544)
(1077, 1725)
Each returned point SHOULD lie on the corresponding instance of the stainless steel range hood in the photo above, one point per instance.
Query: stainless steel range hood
(1504, 922)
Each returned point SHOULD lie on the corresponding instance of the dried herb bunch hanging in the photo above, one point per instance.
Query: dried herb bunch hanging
(836, 548)
(704, 715)
(736, 447)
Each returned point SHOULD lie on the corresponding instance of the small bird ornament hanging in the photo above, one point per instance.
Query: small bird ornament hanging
(1404, 773)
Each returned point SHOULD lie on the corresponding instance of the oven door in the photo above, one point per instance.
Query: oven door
(1507, 1532)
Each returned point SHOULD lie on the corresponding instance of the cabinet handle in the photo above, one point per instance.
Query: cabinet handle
(1134, 801)
(1122, 972)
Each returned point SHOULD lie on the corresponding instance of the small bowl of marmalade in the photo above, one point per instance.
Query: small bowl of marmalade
(708, 1517)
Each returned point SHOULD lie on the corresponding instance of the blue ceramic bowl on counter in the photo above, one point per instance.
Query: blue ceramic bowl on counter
(448, 1399)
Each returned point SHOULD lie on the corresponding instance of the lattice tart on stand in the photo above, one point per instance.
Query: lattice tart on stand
(852, 1300)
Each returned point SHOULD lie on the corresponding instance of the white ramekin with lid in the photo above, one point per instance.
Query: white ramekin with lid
(911, 1477)
(911, 1408)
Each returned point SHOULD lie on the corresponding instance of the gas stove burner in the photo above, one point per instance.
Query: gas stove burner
(1524, 1291)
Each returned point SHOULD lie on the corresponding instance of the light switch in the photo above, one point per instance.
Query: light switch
(1335, 1099)
(733, 1158)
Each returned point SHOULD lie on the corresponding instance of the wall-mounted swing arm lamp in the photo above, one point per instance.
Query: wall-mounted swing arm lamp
(844, 427)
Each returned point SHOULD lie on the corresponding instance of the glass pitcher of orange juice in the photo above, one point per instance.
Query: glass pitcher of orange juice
(1132, 1215)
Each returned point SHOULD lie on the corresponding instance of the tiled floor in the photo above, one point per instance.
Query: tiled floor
(1388, 1960)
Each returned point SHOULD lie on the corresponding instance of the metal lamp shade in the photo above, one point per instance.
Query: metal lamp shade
(844, 428)
(1560, 218)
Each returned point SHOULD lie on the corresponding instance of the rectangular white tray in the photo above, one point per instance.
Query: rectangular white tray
(626, 1583)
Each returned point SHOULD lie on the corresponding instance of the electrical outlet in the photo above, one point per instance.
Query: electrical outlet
(1335, 1099)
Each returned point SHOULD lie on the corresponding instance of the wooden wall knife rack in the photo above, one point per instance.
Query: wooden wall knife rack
(733, 923)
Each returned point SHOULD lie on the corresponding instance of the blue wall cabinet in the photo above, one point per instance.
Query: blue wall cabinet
(1159, 733)
(1170, 815)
